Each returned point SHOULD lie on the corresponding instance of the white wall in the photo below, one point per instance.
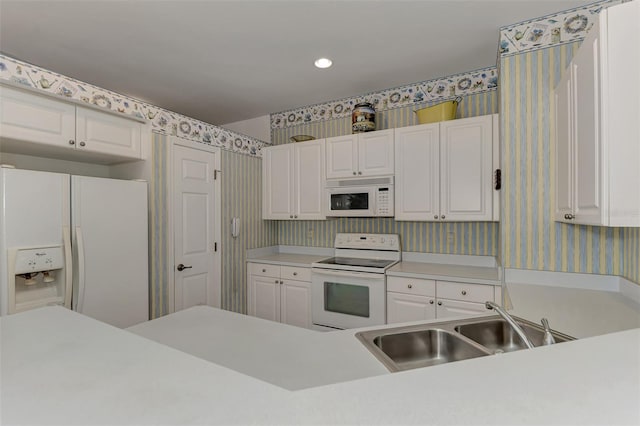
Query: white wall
(259, 127)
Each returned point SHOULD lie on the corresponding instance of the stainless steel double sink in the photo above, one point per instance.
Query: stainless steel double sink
(404, 348)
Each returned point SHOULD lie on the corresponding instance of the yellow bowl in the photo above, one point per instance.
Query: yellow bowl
(439, 112)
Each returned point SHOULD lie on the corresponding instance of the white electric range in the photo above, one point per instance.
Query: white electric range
(349, 290)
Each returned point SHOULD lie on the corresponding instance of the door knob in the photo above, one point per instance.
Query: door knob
(181, 267)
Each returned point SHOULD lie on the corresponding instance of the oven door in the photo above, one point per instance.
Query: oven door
(348, 202)
(345, 299)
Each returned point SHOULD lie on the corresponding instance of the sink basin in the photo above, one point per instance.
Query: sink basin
(422, 348)
(423, 345)
(498, 336)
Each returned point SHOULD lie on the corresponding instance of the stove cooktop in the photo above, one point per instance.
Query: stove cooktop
(353, 261)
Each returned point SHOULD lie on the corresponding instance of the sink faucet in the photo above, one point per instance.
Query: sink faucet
(519, 331)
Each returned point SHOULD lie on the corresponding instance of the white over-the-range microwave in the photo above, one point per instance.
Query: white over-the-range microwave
(360, 197)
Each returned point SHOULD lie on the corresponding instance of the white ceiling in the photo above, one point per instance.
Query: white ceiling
(225, 61)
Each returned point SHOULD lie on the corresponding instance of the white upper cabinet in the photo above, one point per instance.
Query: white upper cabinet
(40, 125)
(444, 171)
(361, 154)
(293, 181)
(597, 105)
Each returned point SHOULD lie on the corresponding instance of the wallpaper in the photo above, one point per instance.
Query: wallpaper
(530, 238)
(158, 223)
(431, 91)
(474, 238)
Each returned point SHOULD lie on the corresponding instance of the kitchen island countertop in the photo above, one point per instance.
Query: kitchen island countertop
(82, 371)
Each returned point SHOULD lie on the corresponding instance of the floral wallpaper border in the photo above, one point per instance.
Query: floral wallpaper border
(551, 30)
(441, 89)
(163, 121)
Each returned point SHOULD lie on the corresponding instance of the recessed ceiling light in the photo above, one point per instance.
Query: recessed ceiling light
(323, 63)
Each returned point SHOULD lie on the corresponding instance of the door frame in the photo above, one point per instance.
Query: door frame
(217, 219)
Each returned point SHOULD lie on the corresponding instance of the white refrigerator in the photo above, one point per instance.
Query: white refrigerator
(76, 241)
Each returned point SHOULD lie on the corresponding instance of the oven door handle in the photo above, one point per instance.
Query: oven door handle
(340, 273)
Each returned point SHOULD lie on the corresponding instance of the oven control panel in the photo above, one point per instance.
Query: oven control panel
(368, 241)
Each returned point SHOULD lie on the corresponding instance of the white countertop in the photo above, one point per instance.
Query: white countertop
(284, 355)
(443, 271)
(59, 367)
(288, 259)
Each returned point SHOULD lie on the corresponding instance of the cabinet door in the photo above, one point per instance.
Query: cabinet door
(342, 156)
(408, 307)
(454, 308)
(309, 179)
(296, 303)
(107, 133)
(277, 182)
(265, 298)
(32, 118)
(587, 137)
(465, 169)
(375, 153)
(417, 164)
(564, 147)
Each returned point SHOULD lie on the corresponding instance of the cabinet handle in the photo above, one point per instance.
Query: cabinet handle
(464, 292)
(442, 217)
(409, 286)
(82, 143)
(295, 216)
(72, 142)
(264, 270)
(354, 173)
(290, 216)
(431, 302)
(295, 274)
(435, 216)
(569, 216)
(439, 303)
(359, 173)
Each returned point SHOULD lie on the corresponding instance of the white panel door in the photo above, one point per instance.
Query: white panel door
(109, 225)
(586, 109)
(465, 169)
(417, 185)
(409, 307)
(265, 298)
(309, 179)
(107, 133)
(193, 228)
(342, 156)
(28, 117)
(296, 303)
(375, 153)
(278, 182)
(564, 147)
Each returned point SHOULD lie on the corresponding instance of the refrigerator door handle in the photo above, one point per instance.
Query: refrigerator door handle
(80, 254)
(68, 266)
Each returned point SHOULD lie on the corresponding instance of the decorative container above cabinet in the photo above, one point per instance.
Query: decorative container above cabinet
(597, 105)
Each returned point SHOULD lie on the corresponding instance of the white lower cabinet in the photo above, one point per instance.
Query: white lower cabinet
(280, 293)
(416, 299)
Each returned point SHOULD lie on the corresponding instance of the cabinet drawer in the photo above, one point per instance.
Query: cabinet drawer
(411, 286)
(265, 270)
(295, 273)
(463, 291)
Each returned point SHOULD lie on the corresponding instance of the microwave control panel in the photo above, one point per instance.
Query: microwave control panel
(384, 201)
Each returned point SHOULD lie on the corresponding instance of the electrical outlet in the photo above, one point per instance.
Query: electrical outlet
(309, 234)
(451, 236)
